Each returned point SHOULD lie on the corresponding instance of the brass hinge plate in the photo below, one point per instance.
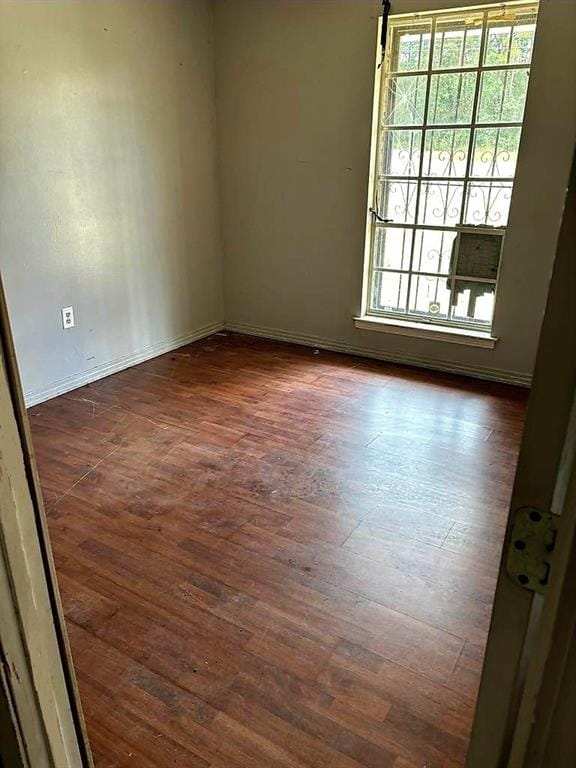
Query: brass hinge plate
(530, 548)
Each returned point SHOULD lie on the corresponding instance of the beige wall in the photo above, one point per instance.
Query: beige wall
(109, 198)
(294, 91)
(108, 195)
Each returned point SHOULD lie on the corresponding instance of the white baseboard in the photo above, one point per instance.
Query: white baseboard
(492, 374)
(34, 397)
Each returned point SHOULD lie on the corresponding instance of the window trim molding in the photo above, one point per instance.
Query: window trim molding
(436, 332)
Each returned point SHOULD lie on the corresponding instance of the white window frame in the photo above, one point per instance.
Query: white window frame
(383, 71)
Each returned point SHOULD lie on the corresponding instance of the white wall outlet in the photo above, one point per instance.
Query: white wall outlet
(67, 317)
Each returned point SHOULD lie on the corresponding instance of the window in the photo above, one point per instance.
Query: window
(450, 116)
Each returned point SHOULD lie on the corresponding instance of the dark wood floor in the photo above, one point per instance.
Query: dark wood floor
(276, 557)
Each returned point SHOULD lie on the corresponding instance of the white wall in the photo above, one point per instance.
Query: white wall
(294, 92)
(108, 196)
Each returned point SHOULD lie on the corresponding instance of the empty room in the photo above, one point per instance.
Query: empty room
(288, 368)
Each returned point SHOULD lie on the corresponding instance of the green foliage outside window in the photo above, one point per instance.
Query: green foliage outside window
(502, 92)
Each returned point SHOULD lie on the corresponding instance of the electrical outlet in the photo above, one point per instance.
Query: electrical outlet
(67, 317)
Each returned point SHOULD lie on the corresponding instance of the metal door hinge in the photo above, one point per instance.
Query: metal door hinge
(532, 541)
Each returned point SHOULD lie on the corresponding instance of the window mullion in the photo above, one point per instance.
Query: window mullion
(452, 278)
(458, 70)
(421, 160)
(470, 158)
(456, 126)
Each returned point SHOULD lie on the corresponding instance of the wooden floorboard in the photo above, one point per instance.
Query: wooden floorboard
(274, 556)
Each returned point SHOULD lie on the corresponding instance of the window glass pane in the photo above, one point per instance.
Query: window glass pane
(400, 152)
(410, 47)
(392, 247)
(405, 98)
(510, 37)
(440, 203)
(432, 250)
(488, 203)
(397, 201)
(495, 151)
(389, 291)
(429, 296)
(451, 98)
(473, 301)
(502, 96)
(457, 42)
(446, 152)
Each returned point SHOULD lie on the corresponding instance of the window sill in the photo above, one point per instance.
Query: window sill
(426, 331)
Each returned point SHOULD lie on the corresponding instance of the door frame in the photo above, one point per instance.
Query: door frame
(37, 681)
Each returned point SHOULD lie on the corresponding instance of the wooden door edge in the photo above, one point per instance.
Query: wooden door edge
(20, 416)
(515, 626)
